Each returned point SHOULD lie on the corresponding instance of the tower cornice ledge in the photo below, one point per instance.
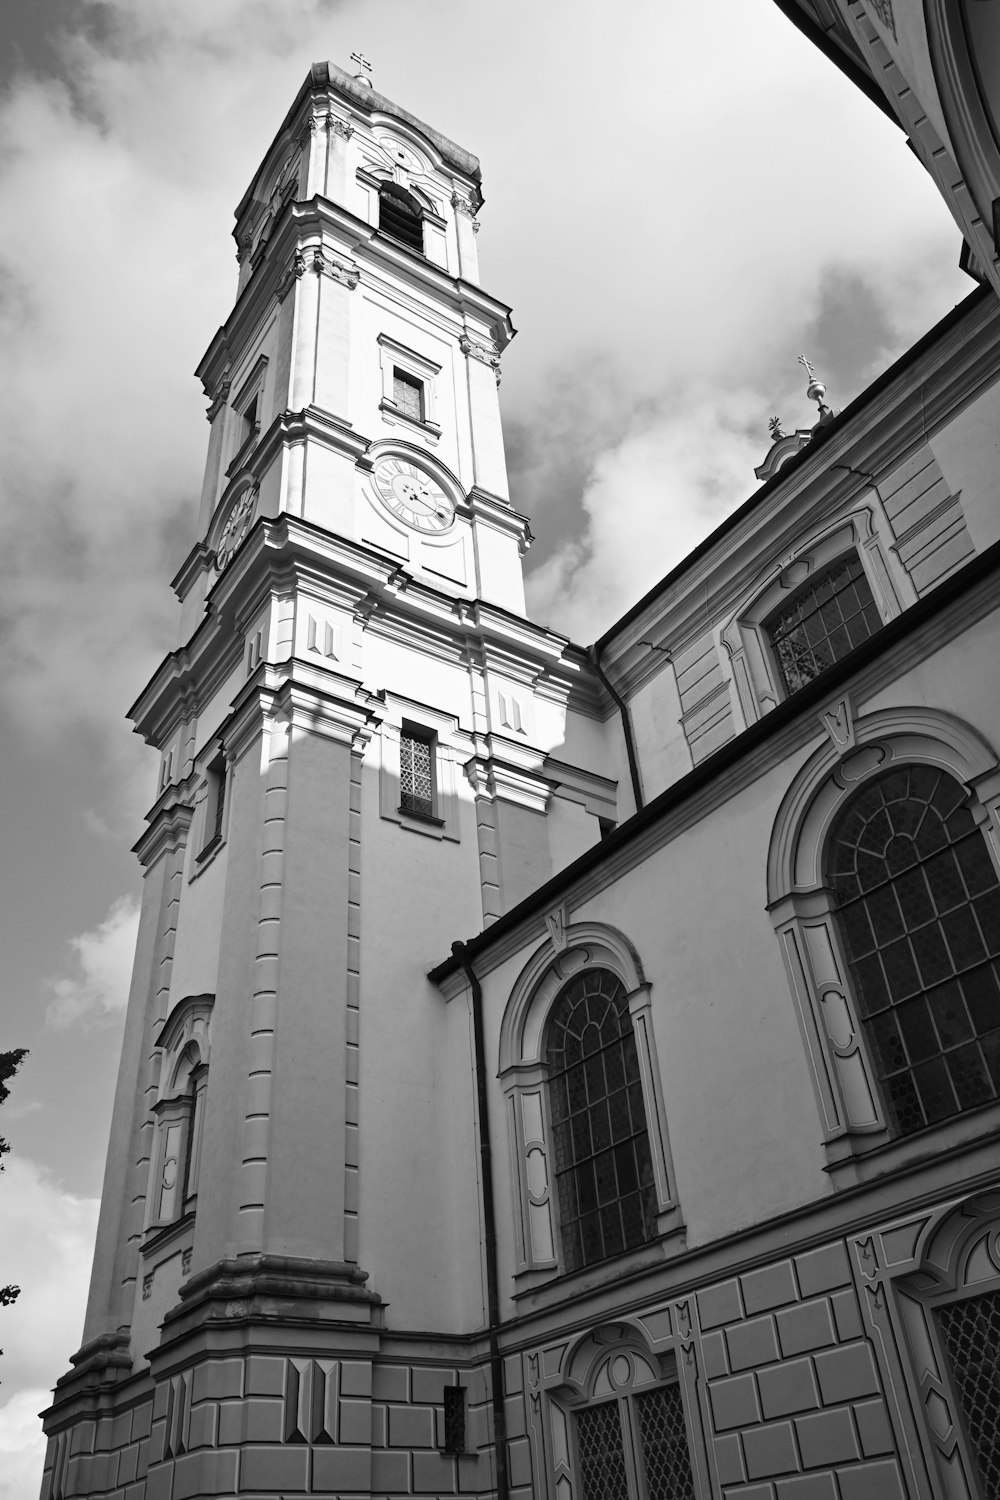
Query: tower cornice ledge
(270, 1288)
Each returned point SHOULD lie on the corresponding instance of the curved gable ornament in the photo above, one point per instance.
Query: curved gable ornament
(877, 741)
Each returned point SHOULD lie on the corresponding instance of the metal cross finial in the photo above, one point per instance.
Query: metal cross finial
(810, 371)
(364, 67)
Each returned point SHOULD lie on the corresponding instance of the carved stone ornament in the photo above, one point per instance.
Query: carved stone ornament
(486, 354)
(882, 10)
(467, 207)
(336, 126)
(218, 400)
(324, 263)
(295, 270)
(237, 525)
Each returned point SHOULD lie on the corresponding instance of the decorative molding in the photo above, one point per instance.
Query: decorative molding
(325, 263)
(218, 400)
(882, 11)
(336, 126)
(290, 276)
(838, 724)
(555, 921)
(485, 354)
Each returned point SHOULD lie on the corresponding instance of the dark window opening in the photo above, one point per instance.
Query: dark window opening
(408, 395)
(835, 613)
(454, 1419)
(416, 774)
(400, 216)
(602, 1163)
(918, 911)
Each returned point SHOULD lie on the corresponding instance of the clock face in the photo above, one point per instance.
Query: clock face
(236, 528)
(412, 495)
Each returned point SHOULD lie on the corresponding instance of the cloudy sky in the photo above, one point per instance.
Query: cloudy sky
(680, 200)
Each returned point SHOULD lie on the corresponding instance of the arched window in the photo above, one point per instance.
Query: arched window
(917, 908)
(400, 215)
(602, 1165)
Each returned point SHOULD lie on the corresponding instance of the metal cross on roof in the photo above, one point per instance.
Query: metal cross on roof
(364, 66)
(810, 370)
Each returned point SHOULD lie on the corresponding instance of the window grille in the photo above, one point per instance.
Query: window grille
(661, 1455)
(971, 1332)
(399, 215)
(416, 775)
(823, 623)
(408, 395)
(603, 1167)
(918, 910)
(602, 1453)
(454, 1419)
(665, 1454)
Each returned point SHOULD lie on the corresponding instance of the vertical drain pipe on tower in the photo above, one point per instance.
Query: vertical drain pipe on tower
(489, 1225)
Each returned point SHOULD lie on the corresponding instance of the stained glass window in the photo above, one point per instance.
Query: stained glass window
(416, 775)
(918, 911)
(602, 1164)
(835, 613)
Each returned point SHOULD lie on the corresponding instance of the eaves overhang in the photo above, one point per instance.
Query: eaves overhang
(836, 43)
(797, 711)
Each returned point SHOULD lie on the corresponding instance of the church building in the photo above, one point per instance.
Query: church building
(559, 1073)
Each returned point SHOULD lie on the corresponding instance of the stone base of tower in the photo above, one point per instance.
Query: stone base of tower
(272, 1377)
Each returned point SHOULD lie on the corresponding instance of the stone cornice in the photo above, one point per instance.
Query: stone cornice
(287, 554)
(169, 823)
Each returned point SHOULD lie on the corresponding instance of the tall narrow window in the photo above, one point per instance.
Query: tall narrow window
(832, 615)
(399, 215)
(416, 773)
(408, 395)
(918, 911)
(603, 1169)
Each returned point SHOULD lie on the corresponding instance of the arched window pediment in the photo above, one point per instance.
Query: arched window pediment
(900, 1032)
(567, 1173)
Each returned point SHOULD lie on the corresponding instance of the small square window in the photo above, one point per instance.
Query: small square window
(416, 773)
(408, 395)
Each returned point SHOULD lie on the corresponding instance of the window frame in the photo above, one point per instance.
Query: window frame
(571, 1371)
(184, 1044)
(856, 1134)
(441, 730)
(757, 683)
(815, 577)
(396, 357)
(523, 1076)
(911, 1270)
(389, 188)
(247, 409)
(213, 828)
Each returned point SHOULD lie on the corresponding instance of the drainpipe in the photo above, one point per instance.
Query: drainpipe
(633, 762)
(489, 1226)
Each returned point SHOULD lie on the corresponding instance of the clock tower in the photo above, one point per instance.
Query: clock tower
(366, 752)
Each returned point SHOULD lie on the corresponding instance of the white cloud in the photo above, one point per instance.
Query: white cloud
(46, 1247)
(104, 961)
(22, 1445)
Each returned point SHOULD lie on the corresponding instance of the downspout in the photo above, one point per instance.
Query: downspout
(489, 1227)
(622, 706)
